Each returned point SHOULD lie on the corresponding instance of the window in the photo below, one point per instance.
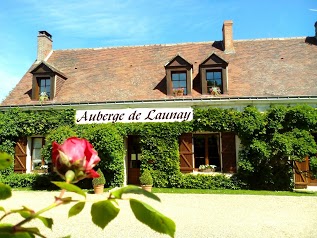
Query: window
(212, 148)
(214, 80)
(44, 86)
(213, 75)
(46, 80)
(179, 81)
(207, 150)
(37, 144)
(178, 77)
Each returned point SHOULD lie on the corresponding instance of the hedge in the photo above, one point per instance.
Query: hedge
(270, 141)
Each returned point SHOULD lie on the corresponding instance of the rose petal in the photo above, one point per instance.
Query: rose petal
(93, 174)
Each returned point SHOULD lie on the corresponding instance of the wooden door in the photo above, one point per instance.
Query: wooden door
(186, 152)
(303, 177)
(228, 142)
(20, 155)
(300, 173)
(134, 162)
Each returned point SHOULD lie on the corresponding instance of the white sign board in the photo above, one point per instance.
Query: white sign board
(134, 115)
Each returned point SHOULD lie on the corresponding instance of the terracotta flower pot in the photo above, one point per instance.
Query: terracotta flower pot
(98, 189)
(147, 187)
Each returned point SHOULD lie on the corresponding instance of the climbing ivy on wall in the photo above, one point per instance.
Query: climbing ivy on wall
(269, 141)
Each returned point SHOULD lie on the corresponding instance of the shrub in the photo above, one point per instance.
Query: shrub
(203, 181)
(146, 178)
(19, 180)
(100, 180)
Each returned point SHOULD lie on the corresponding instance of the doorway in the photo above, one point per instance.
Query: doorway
(206, 150)
(134, 162)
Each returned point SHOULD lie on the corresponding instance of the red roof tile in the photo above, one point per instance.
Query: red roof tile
(265, 67)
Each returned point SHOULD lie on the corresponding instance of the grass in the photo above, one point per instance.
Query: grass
(296, 192)
(237, 192)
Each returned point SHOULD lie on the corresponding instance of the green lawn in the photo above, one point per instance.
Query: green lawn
(298, 192)
(242, 192)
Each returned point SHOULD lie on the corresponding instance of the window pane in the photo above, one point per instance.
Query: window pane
(214, 79)
(179, 81)
(37, 144)
(214, 150)
(45, 86)
(210, 83)
(182, 84)
(209, 75)
(175, 84)
(217, 75)
(182, 76)
(207, 149)
(218, 82)
(175, 77)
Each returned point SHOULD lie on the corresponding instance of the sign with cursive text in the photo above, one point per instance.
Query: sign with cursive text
(134, 115)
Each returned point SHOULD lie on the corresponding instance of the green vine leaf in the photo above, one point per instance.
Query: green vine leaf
(5, 160)
(5, 191)
(48, 222)
(133, 189)
(6, 230)
(104, 212)
(70, 187)
(2, 209)
(152, 218)
(24, 212)
(76, 209)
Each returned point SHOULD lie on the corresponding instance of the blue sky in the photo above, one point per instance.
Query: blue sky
(102, 23)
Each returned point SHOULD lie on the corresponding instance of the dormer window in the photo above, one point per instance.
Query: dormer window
(178, 77)
(46, 81)
(213, 76)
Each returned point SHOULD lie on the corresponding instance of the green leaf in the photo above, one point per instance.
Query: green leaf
(5, 160)
(24, 212)
(48, 222)
(6, 230)
(76, 209)
(2, 209)
(70, 187)
(5, 191)
(152, 218)
(103, 212)
(133, 189)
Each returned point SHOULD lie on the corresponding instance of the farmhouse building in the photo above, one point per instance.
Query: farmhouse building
(164, 83)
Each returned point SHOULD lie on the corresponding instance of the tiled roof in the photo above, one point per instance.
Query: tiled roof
(265, 67)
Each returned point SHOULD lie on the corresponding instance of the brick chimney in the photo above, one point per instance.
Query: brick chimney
(44, 45)
(227, 37)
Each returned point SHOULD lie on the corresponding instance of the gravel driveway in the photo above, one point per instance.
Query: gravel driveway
(195, 215)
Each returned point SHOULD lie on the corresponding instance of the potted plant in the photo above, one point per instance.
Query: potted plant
(207, 168)
(43, 97)
(178, 91)
(99, 183)
(146, 180)
(215, 91)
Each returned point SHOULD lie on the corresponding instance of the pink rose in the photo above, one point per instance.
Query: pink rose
(76, 155)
